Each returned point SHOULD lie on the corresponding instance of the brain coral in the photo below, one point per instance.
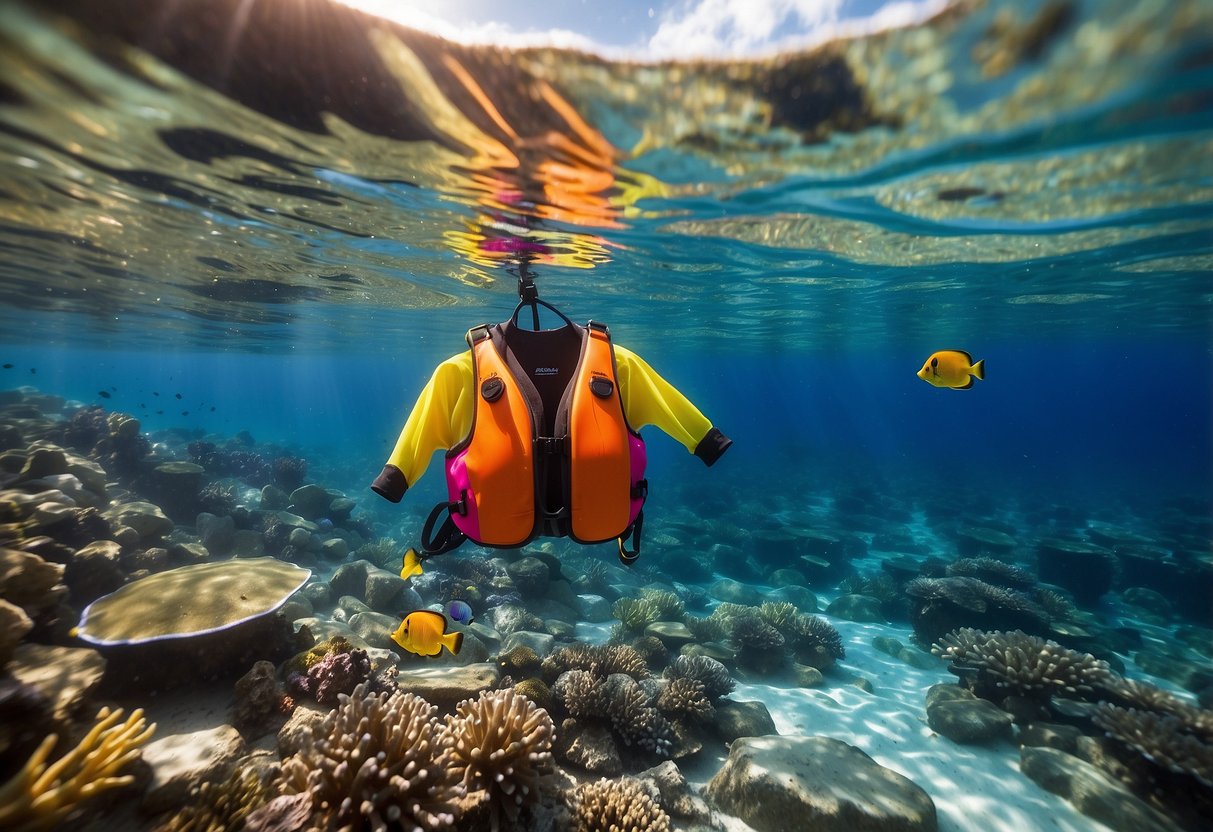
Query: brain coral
(616, 806)
(378, 762)
(500, 743)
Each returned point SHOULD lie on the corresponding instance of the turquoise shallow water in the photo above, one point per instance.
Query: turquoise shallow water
(261, 226)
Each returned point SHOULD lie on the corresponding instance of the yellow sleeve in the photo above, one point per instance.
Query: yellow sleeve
(440, 419)
(648, 399)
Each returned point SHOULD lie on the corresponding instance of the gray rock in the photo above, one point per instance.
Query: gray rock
(145, 518)
(247, 543)
(388, 592)
(530, 575)
(375, 628)
(807, 676)
(126, 537)
(448, 686)
(310, 501)
(677, 796)
(297, 606)
(349, 606)
(91, 474)
(335, 548)
(802, 597)
(185, 553)
(541, 643)
(487, 635)
(969, 721)
(1090, 790)
(1050, 735)
(673, 634)
(14, 624)
(735, 592)
(217, 533)
(743, 719)
(320, 594)
(322, 629)
(273, 498)
(861, 608)
(888, 644)
(818, 783)
(509, 618)
(43, 462)
(299, 728)
(340, 509)
(919, 658)
(181, 763)
(594, 608)
(157, 558)
(350, 578)
(300, 538)
(589, 746)
(94, 571)
(66, 676)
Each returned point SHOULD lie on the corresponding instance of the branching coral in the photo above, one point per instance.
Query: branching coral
(377, 761)
(601, 659)
(945, 604)
(1164, 740)
(1022, 665)
(218, 807)
(706, 629)
(713, 675)
(578, 691)
(616, 806)
(778, 614)
(685, 697)
(991, 571)
(42, 796)
(809, 631)
(618, 699)
(501, 743)
(1055, 605)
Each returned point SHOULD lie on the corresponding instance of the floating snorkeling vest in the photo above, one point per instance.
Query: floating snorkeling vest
(550, 452)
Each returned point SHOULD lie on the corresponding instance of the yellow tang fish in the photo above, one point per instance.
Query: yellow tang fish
(952, 368)
(424, 632)
(412, 564)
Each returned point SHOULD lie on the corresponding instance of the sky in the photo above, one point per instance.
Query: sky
(652, 29)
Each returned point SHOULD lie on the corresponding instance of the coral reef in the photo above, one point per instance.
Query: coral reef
(535, 690)
(1166, 741)
(601, 660)
(519, 661)
(815, 641)
(942, 605)
(370, 741)
(288, 472)
(991, 571)
(685, 697)
(335, 674)
(1019, 671)
(619, 700)
(651, 605)
(616, 806)
(41, 796)
(218, 807)
(501, 744)
(710, 673)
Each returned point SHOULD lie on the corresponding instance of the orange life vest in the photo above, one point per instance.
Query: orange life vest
(550, 451)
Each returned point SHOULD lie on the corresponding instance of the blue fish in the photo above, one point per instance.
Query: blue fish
(459, 611)
(324, 523)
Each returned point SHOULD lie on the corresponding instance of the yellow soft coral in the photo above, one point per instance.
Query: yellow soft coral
(41, 796)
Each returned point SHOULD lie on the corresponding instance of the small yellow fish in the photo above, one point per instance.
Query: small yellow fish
(952, 368)
(424, 632)
(412, 564)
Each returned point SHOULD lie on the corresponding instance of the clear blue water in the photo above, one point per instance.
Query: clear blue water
(291, 224)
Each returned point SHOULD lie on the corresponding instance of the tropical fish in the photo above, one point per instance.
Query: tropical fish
(459, 611)
(412, 564)
(8, 366)
(103, 394)
(952, 368)
(178, 395)
(424, 632)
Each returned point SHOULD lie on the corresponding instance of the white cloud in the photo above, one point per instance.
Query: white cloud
(744, 28)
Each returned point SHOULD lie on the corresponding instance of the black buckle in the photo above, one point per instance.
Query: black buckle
(640, 491)
(551, 445)
(527, 291)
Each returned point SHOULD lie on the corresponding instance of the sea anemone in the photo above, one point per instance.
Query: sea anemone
(377, 761)
(616, 806)
(500, 743)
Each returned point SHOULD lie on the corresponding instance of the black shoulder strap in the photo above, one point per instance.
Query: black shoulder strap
(449, 537)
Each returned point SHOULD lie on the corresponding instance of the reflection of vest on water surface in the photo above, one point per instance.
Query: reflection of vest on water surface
(540, 428)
